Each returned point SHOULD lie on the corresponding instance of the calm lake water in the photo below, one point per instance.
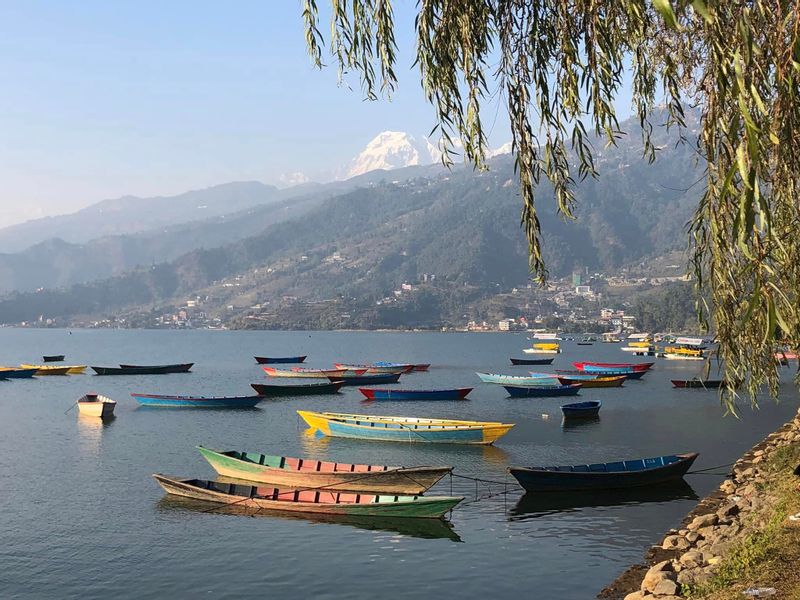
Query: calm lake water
(81, 516)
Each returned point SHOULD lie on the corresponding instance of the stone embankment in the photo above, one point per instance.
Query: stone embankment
(688, 557)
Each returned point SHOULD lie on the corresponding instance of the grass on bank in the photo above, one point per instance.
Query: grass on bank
(771, 556)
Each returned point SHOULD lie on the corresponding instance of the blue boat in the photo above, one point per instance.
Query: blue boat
(572, 373)
(367, 379)
(603, 476)
(11, 373)
(542, 391)
(581, 410)
(279, 360)
(197, 401)
(449, 394)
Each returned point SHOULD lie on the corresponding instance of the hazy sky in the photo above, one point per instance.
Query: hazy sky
(101, 99)
(106, 98)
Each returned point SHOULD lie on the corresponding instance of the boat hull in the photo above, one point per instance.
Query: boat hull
(300, 389)
(531, 361)
(388, 369)
(143, 370)
(540, 351)
(454, 394)
(280, 360)
(47, 370)
(388, 480)
(709, 384)
(97, 408)
(654, 471)
(251, 497)
(197, 401)
(17, 373)
(593, 367)
(581, 410)
(597, 382)
(305, 373)
(376, 379)
(543, 379)
(53, 358)
(401, 429)
(544, 391)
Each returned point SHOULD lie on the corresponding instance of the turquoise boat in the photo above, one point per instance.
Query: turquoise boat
(534, 379)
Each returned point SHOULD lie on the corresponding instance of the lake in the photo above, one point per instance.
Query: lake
(82, 517)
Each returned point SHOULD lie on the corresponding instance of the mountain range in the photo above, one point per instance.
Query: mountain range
(364, 237)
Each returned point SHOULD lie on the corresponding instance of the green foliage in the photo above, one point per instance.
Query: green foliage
(667, 308)
(561, 64)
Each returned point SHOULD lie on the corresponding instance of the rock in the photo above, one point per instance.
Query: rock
(714, 560)
(675, 542)
(727, 486)
(665, 587)
(692, 537)
(635, 596)
(720, 548)
(703, 521)
(758, 453)
(757, 460)
(730, 509)
(659, 572)
(691, 559)
(693, 576)
(708, 533)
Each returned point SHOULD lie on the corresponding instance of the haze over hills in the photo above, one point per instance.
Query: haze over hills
(461, 226)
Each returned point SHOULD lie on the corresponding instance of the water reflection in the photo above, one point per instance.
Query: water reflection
(429, 529)
(570, 425)
(90, 432)
(533, 505)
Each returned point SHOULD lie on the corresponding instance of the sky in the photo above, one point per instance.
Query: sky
(102, 99)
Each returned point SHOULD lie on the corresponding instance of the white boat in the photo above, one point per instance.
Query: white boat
(95, 405)
(674, 356)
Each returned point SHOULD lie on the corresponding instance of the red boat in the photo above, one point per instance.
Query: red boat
(634, 366)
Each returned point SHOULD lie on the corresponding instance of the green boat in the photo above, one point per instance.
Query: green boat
(309, 500)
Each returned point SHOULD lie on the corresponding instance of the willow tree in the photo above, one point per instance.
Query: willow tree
(562, 64)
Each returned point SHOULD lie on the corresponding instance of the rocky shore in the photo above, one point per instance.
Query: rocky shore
(690, 556)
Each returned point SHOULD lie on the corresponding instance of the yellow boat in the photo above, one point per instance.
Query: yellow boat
(405, 429)
(48, 370)
(681, 351)
(544, 348)
(76, 369)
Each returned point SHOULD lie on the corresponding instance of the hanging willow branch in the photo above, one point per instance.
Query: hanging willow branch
(560, 64)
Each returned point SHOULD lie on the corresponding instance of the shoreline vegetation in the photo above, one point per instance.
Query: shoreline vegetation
(738, 542)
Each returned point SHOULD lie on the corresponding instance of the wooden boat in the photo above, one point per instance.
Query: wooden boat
(581, 410)
(598, 366)
(405, 429)
(678, 356)
(306, 373)
(422, 366)
(575, 374)
(708, 384)
(542, 391)
(549, 348)
(379, 367)
(596, 382)
(47, 370)
(448, 394)
(531, 361)
(53, 358)
(584, 343)
(310, 501)
(611, 475)
(351, 378)
(534, 379)
(77, 369)
(197, 401)
(16, 373)
(308, 473)
(297, 389)
(143, 369)
(283, 360)
(96, 405)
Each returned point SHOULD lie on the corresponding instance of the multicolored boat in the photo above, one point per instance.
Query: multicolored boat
(405, 429)
(593, 367)
(601, 476)
(543, 348)
(542, 391)
(297, 389)
(299, 373)
(310, 501)
(595, 382)
(279, 360)
(575, 374)
(422, 366)
(448, 394)
(533, 379)
(308, 473)
(378, 367)
(197, 401)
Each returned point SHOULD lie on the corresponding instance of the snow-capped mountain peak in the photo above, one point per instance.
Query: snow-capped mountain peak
(391, 150)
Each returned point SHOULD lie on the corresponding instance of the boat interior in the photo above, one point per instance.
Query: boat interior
(622, 466)
(299, 464)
